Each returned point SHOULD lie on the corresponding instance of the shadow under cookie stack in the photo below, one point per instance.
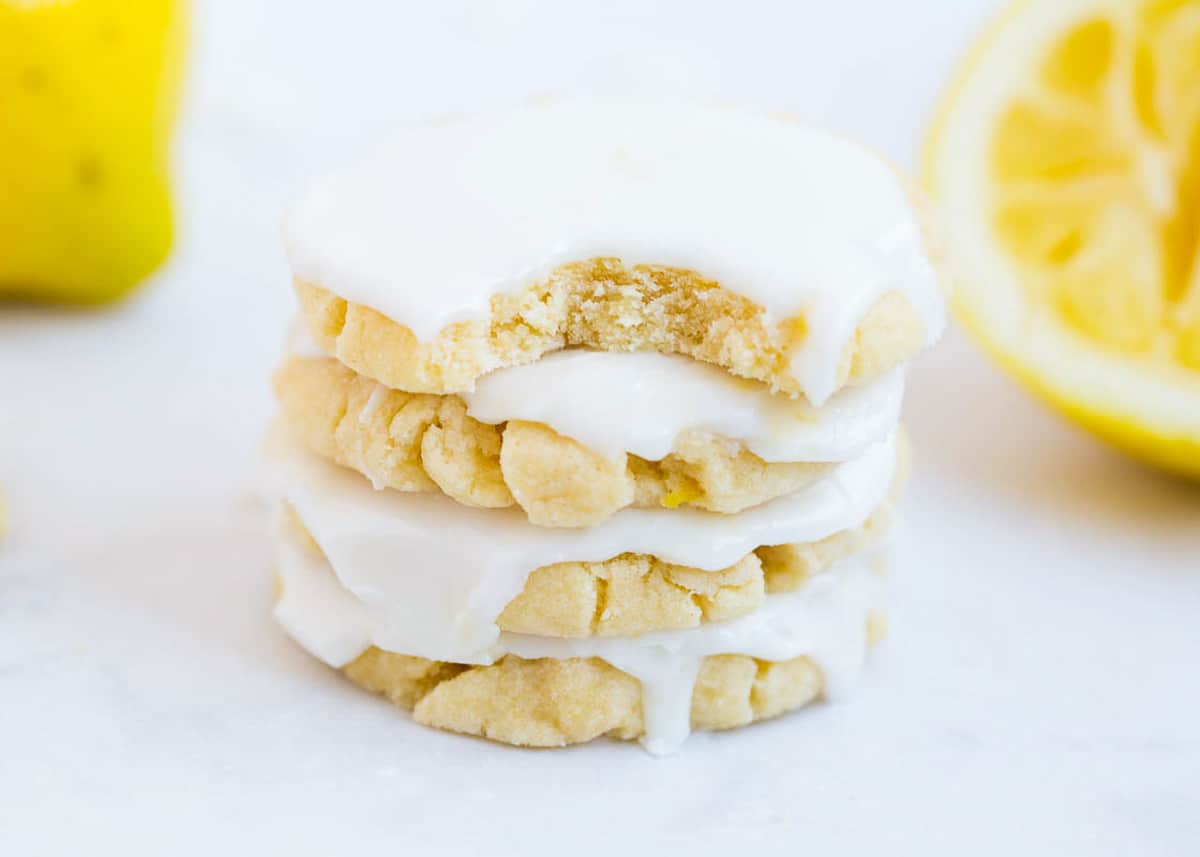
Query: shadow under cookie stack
(590, 417)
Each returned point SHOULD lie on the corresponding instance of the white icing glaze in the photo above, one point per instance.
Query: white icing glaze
(642, 402)
(444, 571)
(593, 397)
(426, 227)
(315, 609)
(825, 621)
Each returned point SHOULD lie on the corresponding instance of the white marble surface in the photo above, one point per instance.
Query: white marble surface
(1040, 692)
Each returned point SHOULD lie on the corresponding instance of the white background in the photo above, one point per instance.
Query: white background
(1040, 692)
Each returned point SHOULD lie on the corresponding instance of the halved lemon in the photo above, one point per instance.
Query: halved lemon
(1065, 163)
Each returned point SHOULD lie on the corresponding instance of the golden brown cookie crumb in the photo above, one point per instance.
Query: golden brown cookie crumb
(601, 303)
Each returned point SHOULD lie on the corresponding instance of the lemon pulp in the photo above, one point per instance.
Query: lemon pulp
(1066, 160)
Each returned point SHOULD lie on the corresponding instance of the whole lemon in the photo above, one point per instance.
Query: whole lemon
(88, 96)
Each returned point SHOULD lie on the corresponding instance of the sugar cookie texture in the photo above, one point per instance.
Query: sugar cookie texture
(425, 442)
(552, 703)
(602, 303)
(590, 428)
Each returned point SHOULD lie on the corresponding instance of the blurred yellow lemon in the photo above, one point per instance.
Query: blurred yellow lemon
(88, 94)
(1065, 162)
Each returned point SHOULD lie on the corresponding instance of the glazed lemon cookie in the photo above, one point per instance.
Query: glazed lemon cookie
(780, 253)
(554, 703)
(638, 594)
(664, 407)
(541, 691)
(445, 572)
(602, 304)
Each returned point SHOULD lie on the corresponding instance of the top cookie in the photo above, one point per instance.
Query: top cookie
(783, 254)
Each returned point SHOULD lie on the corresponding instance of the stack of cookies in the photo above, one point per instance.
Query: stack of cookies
(589, 419)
